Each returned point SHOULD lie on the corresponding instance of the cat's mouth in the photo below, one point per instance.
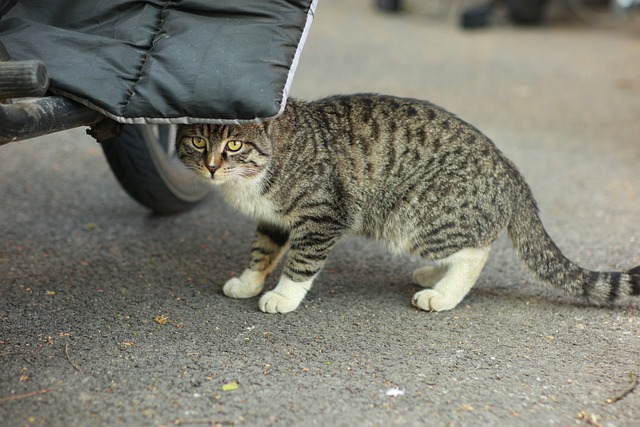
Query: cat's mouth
(208, 176)
(215, 178)
(220, 176)
(212, 173)
(212, 170)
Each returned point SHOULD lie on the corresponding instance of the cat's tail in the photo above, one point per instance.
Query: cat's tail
(548, 263)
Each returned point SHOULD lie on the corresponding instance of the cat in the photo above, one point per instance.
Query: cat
(402, 171)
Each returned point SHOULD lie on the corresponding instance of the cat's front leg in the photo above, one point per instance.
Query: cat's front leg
(269, 244)
(286, 296)
(305, 259)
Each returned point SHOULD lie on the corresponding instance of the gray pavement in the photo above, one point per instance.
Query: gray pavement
(84, 271)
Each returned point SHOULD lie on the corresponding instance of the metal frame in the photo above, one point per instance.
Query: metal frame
(31, 117)
(25, 111)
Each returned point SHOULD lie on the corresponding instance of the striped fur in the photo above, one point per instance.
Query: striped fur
(401, 171)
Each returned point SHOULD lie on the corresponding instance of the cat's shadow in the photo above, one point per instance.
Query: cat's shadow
(361, 269)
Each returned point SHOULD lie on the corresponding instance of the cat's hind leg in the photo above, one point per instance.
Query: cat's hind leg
(269, 244)
(461, 270)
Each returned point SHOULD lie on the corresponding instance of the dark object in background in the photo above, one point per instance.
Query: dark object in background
(477, 16)
(522, 12)
(388, 5)
(526, 12)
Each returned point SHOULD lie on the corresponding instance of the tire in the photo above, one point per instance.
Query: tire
(526, 12)
(143, 161)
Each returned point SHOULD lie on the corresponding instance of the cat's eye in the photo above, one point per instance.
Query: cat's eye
(198, 142)
(234, 145)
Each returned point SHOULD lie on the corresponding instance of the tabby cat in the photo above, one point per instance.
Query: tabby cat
(401, 171)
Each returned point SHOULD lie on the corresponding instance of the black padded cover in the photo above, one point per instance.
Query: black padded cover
(159, 61)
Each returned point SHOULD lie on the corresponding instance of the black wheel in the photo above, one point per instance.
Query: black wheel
(143, 160)
(526, 12)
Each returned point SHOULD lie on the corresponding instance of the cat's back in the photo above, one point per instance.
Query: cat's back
(370, 138)
(373, 122)
(396, 164)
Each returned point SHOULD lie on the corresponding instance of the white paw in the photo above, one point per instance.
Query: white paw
(286, 297)
(248, 285)
(432, 300)
(273, 302)
(428, 276)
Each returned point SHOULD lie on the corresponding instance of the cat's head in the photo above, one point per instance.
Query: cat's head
(220, 153)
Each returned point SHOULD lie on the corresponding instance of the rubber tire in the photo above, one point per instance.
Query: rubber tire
(526, 12)
(142, 160)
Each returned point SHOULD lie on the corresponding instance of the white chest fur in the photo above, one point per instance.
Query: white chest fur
(246, 198)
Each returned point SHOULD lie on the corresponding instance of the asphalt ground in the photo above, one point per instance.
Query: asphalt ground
(110, 316)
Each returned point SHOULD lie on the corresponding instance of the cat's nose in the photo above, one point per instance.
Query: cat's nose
(213, 168)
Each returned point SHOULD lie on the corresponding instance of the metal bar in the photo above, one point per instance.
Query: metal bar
(20, 79)
(32, 117)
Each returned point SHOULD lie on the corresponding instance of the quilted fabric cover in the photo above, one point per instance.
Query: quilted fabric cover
(158, 61)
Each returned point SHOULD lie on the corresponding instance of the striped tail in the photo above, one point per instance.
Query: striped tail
(548, 263)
